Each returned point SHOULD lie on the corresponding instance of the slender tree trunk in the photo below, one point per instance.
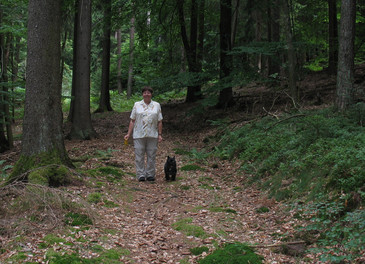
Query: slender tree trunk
(225, 96)
(258, 37)
(332, 37)
(4, 143)
(274, 35)
(7, 116)
(345, 72)
(104, 103)
(15, 70)
(235, 21)
(201, 35)
(193, 93)
(119, 55)
(81, 118)
(291, 55)
(42, 142)
(131, 58)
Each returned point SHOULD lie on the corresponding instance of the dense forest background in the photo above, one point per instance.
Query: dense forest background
(281, 83)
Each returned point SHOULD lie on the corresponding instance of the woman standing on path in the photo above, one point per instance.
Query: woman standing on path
(146, 125)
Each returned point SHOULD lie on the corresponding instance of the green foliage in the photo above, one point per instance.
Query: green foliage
(236, 253)
(318, 150)
(342, 234)
(3, 170)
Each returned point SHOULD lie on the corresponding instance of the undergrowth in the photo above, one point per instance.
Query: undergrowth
(316, 150)
(314, 157)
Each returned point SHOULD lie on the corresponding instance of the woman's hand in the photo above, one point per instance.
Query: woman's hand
(160, 138)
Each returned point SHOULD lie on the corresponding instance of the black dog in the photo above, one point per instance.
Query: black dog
(170, 168)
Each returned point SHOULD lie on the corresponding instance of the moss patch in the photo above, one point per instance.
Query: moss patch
(233, 253)
(188, 229)
(50, 165)
(52, 175)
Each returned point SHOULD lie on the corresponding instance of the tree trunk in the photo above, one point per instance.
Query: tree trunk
(225, 96)
(131, 58)
(104, 103)
(15, 70)
(81, 119)
(119, 56)
(6, 134)
(42, 142)
(291, 55)
(201, 35)
(274, 36)
(332, 37)
(193, 93)
(4, 143)
(235, 21)
(345, 72)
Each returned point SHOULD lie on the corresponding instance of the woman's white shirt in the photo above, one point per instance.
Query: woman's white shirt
(146, 118)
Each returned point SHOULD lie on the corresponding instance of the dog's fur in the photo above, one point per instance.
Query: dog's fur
(170, 168)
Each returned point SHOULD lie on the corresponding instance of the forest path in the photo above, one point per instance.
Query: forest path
(210, 206)
(159, 222)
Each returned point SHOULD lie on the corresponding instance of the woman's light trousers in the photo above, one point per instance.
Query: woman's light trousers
(145, 147)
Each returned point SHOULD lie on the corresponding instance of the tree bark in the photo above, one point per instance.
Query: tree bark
(332, 37)
(104, 103)
(81, 118)
(190, 47)
(291, 55)
(201, 35)
(131, 58)
(42, 141)
(234, 22)
(225, 26)
(345, 71)
(4, 142)
(119, 66)
(274, 36)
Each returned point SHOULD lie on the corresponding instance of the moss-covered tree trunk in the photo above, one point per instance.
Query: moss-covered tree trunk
(42, 142)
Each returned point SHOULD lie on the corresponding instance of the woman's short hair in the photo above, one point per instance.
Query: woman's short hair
(147, 88)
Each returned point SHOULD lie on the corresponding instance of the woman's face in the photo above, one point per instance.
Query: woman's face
(147, 95)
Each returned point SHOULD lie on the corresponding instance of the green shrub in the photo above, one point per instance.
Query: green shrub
(236, 253)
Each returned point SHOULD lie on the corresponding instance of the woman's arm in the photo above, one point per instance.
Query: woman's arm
(159, 126)
(130, 129)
